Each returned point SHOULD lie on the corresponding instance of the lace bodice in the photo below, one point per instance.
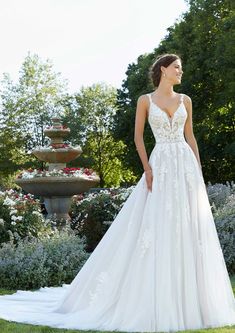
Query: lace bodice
(164, 128)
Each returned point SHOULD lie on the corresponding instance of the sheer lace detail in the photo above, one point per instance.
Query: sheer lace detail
(102, 279)
(144, 242)
(165, 129)
(161, 174)
(190, 177)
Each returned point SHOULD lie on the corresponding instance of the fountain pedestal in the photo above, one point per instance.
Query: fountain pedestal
(56, 166)
(59, 206)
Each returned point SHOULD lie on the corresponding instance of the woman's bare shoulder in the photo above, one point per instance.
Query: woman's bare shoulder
(187, 99)
(143, 101)
(143, 98)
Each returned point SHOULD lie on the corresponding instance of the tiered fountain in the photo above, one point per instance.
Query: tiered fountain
(58, 189)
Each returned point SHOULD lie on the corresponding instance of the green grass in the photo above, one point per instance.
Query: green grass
(11, 327)
(19, 328)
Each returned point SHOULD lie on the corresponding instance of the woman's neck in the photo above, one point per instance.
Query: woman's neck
(165, 89)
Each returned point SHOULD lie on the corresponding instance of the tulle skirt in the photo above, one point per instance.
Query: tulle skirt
(158, 268)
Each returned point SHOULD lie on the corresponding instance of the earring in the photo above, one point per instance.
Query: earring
(164, 74)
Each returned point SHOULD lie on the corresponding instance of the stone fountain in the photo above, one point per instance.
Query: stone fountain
(58, 190)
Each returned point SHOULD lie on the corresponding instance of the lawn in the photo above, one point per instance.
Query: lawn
(10, 327)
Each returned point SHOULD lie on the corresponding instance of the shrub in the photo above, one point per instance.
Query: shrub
(34, 263)
(218, 193)
(225, 224)
(20, 215)
(92, 213)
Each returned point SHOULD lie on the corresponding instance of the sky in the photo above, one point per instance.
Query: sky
(88, 41)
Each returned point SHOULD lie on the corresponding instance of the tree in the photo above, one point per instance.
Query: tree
(26, 107)
(136, 83)
(91, 122)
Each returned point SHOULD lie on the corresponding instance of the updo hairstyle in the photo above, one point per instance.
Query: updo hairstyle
(155, 72)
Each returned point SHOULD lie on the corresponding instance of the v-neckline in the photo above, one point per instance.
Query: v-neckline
(170, 119)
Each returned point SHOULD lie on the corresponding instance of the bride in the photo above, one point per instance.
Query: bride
(159, 267)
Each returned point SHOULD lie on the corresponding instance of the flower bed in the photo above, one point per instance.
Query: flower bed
(56, 147)
(57, 128)
(20, 216)
(60, 145)
(65, 172)
(92, 213)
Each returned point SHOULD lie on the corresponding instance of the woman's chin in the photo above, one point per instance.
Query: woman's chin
(177, 81)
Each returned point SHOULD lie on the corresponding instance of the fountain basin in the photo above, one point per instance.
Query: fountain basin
(59, 155)
(57, 186)
(57, 133)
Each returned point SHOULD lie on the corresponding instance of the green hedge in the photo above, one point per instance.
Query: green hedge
(35, 263)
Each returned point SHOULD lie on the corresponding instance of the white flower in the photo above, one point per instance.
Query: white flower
(2, 222)
(27, 175)
(10, 191)
(13, 223)
(8, 202)
(14, 211)
(35, 212)
(72, 173)
(15, 218)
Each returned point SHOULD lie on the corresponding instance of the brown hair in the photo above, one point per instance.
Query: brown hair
(162, 60)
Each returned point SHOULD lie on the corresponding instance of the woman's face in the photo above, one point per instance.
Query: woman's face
(173, 72)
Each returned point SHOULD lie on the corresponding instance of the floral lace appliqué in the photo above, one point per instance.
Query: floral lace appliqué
(165, 131)
(144, 242)
(102, 278)
(190, 178)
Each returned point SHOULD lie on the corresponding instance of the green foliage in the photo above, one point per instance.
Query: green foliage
(8, 180)
(136, 83)
(105, 153)
(225, 225)
(26, 107)
(222, 200)
(92, 213)
(50, 261)
(219, 193)
(92, 114)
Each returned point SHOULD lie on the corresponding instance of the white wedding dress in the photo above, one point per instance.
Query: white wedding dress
(158, 268)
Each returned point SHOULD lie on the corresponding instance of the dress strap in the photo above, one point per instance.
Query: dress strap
(150, 99)
(181, 98)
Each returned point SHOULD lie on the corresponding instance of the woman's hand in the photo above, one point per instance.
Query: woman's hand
(149, 178)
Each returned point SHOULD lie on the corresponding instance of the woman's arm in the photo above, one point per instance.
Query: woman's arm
(188, 129)
(141, 114)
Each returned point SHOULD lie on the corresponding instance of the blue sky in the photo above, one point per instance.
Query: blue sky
(88, 41)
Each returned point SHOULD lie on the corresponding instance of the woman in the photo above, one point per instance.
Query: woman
(165, 73)
(159, 267)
